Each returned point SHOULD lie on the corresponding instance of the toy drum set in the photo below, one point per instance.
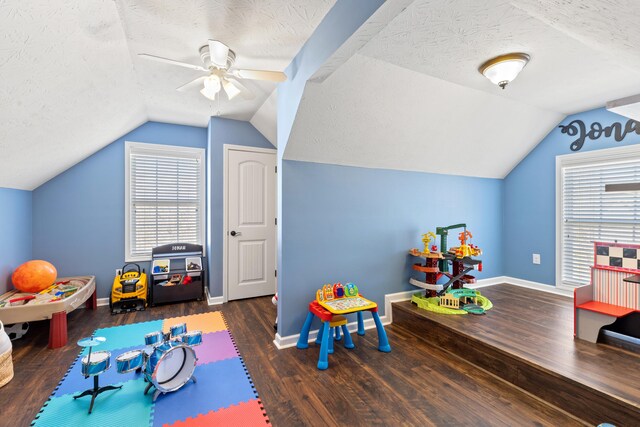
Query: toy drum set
(168, 361)
(93, 365)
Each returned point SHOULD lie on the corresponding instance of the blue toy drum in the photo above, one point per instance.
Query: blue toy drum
(96, 363)
(192, 338)
(178, 329)
(170, 366)
(129, 361)
(153, 338)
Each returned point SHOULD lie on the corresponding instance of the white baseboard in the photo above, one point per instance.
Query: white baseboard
(213, 300)
(538, 286)
(292, 340)
(490, 281)
(102, 302)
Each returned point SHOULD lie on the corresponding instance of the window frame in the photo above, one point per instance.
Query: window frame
(577, 159)
(132, 147)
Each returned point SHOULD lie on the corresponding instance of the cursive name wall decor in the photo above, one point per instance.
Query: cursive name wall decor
(596, 130)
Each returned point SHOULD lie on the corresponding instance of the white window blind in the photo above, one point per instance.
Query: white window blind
(165, 197)
(591, 214)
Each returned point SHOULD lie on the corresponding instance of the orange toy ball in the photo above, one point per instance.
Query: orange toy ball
(34, 276)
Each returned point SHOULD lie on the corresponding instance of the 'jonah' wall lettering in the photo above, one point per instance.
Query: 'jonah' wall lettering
(596, 130)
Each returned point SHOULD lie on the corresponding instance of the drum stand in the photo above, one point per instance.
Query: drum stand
(158, 392)
(95, 391)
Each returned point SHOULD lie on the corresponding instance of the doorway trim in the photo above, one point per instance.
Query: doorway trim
(225, 205)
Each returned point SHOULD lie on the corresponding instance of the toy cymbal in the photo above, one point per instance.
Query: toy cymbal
(91, 341)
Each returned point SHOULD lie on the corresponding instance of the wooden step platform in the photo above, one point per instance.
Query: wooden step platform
(527, 339)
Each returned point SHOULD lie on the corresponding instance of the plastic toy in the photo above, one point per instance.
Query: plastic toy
(451, 295)
(351, 290)
(426, 238)
(329, 311)
(34, 276)
(129, 290)
(274, 301)
(338, 290)
(327, 290)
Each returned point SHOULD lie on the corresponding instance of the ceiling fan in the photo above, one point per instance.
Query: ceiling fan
(218, 61)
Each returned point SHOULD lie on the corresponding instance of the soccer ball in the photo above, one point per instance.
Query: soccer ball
(17, 330)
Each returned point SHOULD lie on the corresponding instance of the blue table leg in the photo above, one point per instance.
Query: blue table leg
(323, 360)
(360, 324)
(348, 342)
(331, 332)
(303, 341)
(338, 334)
(319, 336)
(383, 342)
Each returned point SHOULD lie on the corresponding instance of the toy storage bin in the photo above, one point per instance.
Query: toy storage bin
(177, 257)
(6, 364)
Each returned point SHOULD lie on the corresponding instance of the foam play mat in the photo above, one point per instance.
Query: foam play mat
(224, 393)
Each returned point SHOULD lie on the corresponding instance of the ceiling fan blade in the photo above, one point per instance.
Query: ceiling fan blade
(234, 88)
(171, 61)
(218, 52)
(195, 82)
(272, 76)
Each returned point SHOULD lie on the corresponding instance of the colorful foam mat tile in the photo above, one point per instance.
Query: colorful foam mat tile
(124, 336)
(219, 385)
(205, 322)
(244, 414)
(216, 346)
(124, 407)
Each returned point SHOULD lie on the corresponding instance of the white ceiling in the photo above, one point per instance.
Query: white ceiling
(411, 97)
(457, 131)
(67, 88)
(72, 82)
(265, 34)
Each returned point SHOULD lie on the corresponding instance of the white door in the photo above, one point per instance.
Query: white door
(251, 233)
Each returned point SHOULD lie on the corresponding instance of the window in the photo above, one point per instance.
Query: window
(164, 197)
(587, 212)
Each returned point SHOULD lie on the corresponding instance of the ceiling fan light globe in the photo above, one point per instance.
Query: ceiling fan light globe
(231, 89)
(208, 94)
(212, 83)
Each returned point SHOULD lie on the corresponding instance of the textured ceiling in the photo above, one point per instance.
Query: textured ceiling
(67, 89)
(72, 81)
(265, 34)
(583, 53)
(459, 131)
(412, 97)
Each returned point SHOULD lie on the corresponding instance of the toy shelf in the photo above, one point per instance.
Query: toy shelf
(185, 276)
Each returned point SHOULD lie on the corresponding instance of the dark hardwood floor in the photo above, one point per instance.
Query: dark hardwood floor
(527, 339)
(415, 384)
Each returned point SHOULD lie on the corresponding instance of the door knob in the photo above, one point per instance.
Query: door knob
(235, 233)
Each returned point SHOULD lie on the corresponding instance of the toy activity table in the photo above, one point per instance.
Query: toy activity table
(330, 313)
(42, 307)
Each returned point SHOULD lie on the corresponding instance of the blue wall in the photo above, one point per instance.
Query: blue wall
(15, 233)
(530, 199)
(344, 18)
(78, 216)
(357, 224)
(223, 131)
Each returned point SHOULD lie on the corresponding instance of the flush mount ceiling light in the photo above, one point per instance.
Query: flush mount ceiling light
(502, 69)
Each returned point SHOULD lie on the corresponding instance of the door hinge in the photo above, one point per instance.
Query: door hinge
(276, 169)
(276, 273)
(276, 221)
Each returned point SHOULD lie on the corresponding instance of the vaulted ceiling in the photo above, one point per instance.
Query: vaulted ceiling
(411, 97)
(406, 95)
(72, 81)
